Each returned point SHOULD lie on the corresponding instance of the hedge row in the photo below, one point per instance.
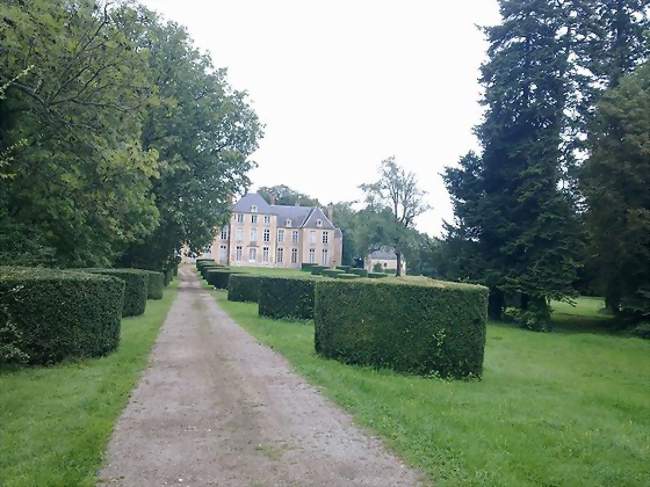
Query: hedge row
(219, 277)
(48, 315)
(135, 290)
(244, 287)
(358, 271)
(436, 328)
(287, 297)
(155, 284)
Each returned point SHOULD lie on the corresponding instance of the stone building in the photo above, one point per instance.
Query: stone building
(384, 260)
(260, 234)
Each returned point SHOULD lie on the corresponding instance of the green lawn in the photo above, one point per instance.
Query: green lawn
(561, 408)
(55, 421)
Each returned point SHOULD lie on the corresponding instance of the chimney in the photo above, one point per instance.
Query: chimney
(330, 212)
(272, 197)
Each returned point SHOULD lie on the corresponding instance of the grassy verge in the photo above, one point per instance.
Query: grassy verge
(55, 421)
(561, 408)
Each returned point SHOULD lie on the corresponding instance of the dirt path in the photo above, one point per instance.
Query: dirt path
(215, 407)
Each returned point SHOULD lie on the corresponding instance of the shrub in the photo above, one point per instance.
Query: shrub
(359, 272)
(168, 276)
(642, 330)
(287, 297)
(305, 266)
(317, 270)
(377, 275)
(155, 284)
(332, 272)
(244, 287)
(204, 269)
(378, 267)
(48, 315)
(135, 288)
(219, 277)
(423, 328)
(203, 261)
(344, 267)
(346, 276)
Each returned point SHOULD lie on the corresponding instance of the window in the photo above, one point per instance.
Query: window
(252, 254)
(239, 234)
(267, 235)
(253, 234)
(326, 237)
(253, 218)
(253, 209)
(240, 218)
(279, 256)
(325, 258)
(288, 223)
(294, 256)
(238, 253)
(223, 253)
(294, 236)
(312, 237)
(267, 219)
(319, 223)
(280, 235)
(224, 233)
(265, 254)
(312, 256)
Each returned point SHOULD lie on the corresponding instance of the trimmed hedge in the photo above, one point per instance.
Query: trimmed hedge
(168, 276)
(347, 276)
(135, 290)
(422, 328)
(306, 266)
(332, 272)
(244, 287)
(318, 270)
(219, 277)
(204, 269)
(287, 297)
(47, 315)
(155, 284)
(344, 267)
(359, 272)
(377, 275)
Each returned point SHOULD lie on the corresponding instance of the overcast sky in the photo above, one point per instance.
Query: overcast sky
(341, 85)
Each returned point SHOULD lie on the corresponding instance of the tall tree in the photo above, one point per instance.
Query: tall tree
(508, 200)
(616, 182)
(204, 132)
(397, 191)
(284, 195)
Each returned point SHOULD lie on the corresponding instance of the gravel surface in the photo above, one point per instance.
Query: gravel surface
(215, 407)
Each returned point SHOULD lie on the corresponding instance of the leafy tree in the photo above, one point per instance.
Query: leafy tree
(616, 182)
(397, 192)
(284, 195)
(519, 226)
(81, 181)
(203, 131)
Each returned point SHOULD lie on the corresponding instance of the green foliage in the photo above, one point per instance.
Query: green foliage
(346, 276)
(616, 178)
(284, 195)
(642, 330)
(359, 272)
(377, 275)
(219, 278)
(344, 267)
(378, 267)
(317, 270)
(155, 284)
(207, 267)
(436, 328)
(332, 272)
(244, 287)
(135, 287)
(307, 266)
(48, 315)
(287, 297)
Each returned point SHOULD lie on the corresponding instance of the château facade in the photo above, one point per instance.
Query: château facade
(263, 234)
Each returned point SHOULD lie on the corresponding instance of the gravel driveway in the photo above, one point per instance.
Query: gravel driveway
(215, 407)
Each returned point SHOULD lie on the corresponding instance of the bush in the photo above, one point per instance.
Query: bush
(642, 330)
(344, 267)
(378, 267)
(332, 272)
(417, 327)
(135, 288)
(287, 297)
(308, 266)
(48, 315)
(219, 278)
(359, 272)
(168, 276)
(155, 284)
(317, 270)
(204, 269)
(377, 275)
(244, 287)
(346, 276)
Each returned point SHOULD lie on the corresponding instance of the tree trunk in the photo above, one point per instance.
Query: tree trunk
(398, 271)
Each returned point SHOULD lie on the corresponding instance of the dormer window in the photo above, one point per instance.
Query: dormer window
(288, 222)
(253, 209)
(319, 223)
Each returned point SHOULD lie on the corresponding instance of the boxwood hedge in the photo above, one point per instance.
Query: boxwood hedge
(358, 271)
(332, 272)
(155, 284)
(346, 276)
(135, 290)
(48, 315)
(244, 287)
(287, 297)
(377, 275)
(205, 268)
(306, 266)
(410, 326)
(317, 270)
(219, 277)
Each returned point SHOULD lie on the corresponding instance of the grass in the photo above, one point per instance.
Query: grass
(553, 409)
(55, 421)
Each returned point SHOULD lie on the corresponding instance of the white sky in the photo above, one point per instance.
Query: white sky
(341, 85)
